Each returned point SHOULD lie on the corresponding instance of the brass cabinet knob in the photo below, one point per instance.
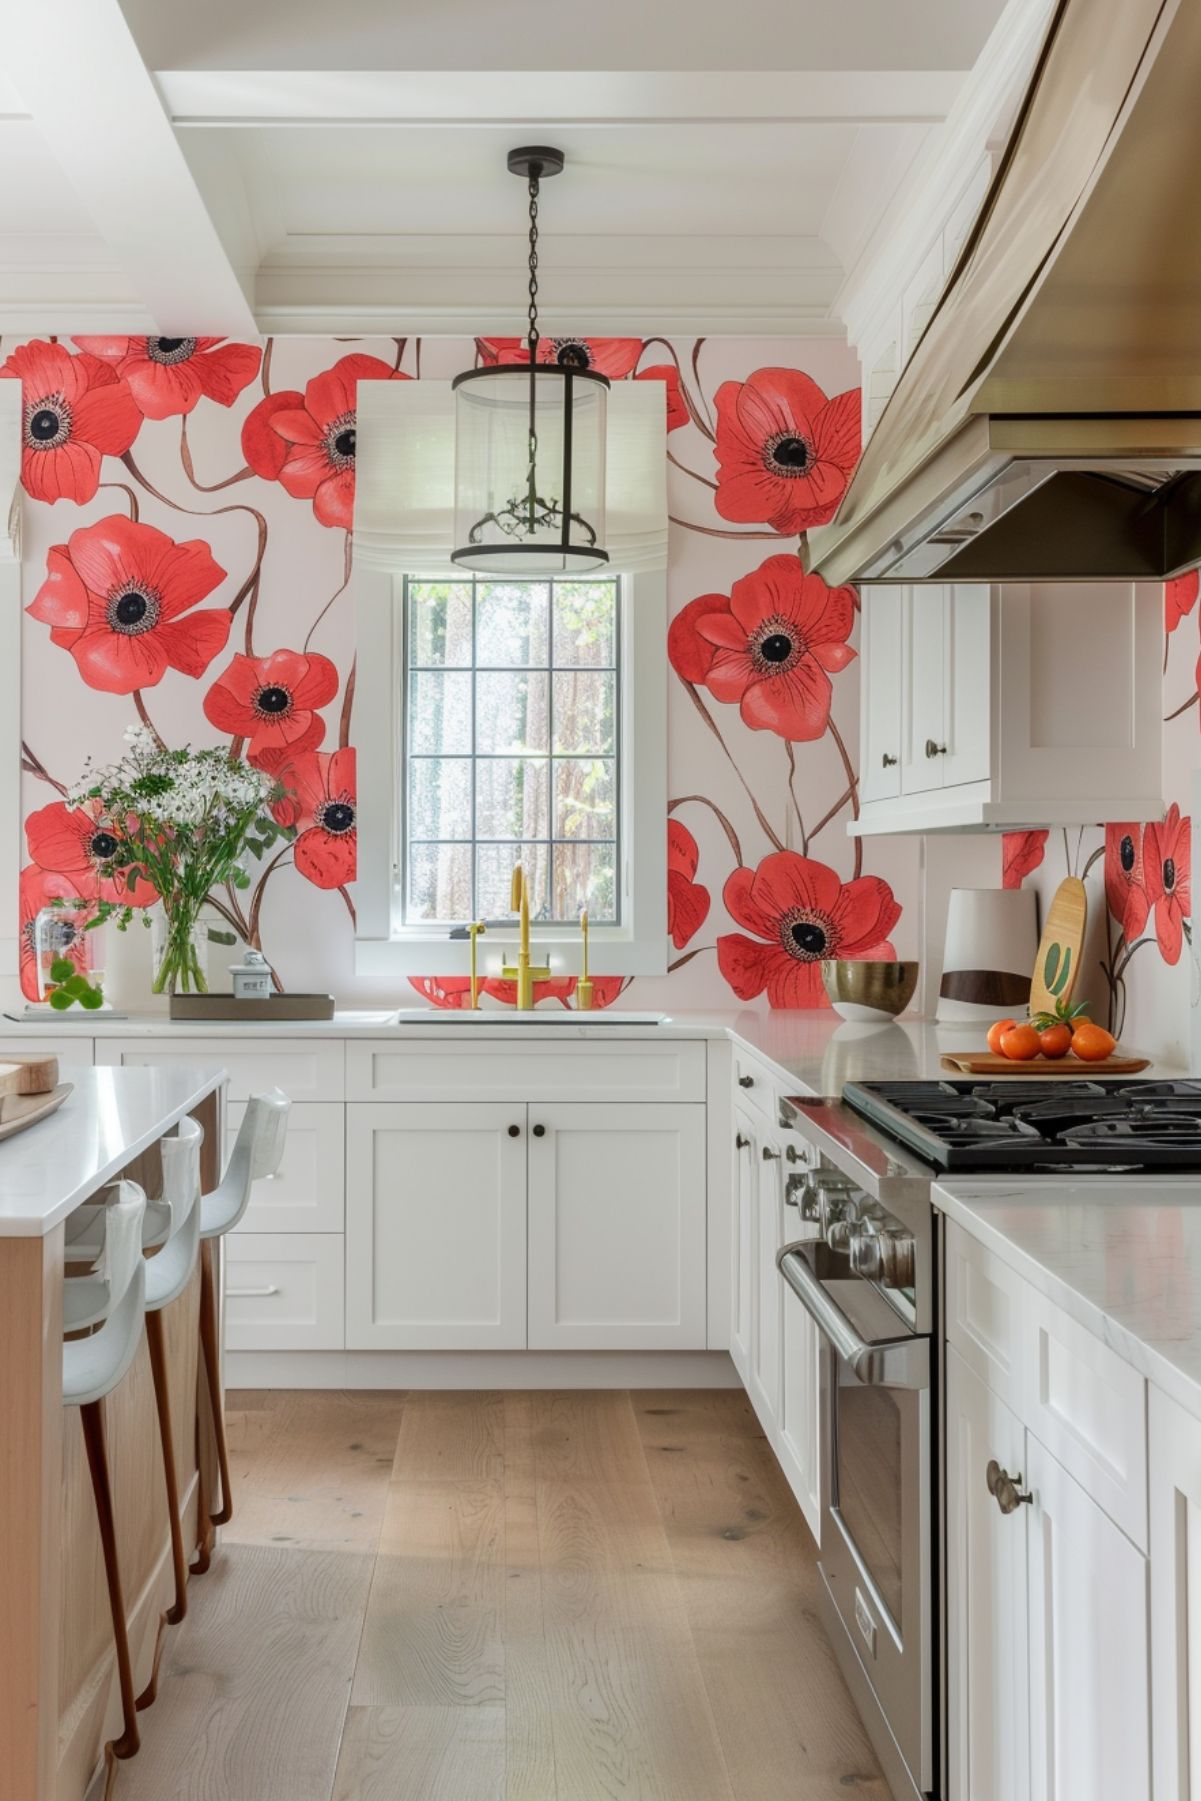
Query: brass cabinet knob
(741, 1141)
(539, 1131)
(770, 1154)
(1005, 1489)
(746, 1081)
(935, 750)
(889, 762)
(792, 1154)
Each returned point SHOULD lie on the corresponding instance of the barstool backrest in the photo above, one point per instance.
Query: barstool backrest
(178, 1216)
(181, 1171)
(257, 1153)
(92, 1367)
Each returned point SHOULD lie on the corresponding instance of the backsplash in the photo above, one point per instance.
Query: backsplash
(186, 557)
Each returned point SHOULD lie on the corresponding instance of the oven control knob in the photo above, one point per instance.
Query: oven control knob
(886, 1257)
(823, 1188)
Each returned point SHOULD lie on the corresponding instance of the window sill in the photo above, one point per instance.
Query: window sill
(610, 953)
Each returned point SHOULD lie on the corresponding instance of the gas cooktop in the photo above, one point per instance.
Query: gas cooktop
(1093, 1127)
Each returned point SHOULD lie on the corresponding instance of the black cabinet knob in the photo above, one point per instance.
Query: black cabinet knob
(514, 1131)
(746, 1081)
(539, 1131)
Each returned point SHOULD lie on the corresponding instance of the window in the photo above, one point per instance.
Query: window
(511, 753)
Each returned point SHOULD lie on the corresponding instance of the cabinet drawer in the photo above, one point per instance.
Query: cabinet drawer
(411, 1069)
(308, 1191)
(984, 1306)
(1089, 1408)
(755, 1085)
(306, 1069)
(284, 1293)
(70, 1047)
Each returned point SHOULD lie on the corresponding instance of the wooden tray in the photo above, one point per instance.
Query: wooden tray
(17, 1111)
(28, 1074)
(988, 1063)
(286, 1007)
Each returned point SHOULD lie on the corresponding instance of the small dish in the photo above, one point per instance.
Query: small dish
(863, 990)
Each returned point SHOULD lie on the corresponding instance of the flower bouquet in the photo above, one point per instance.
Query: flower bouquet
(181, 820)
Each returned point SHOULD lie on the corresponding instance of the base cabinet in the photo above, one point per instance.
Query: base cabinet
(435, 1226)
(1175, 1523)
(742, 1275)
(798, 1445)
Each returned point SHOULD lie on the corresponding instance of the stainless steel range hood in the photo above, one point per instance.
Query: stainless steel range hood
(1048, 424)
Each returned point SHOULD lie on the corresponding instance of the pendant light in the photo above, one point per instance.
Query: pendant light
(530, 445)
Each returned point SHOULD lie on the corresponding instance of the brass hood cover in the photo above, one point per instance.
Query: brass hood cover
(1048, 423)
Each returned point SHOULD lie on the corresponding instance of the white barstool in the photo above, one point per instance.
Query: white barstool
(172, 1223)
(92, 1369)
(257, 1154)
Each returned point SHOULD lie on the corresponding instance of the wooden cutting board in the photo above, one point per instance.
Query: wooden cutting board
(17, 1111)
(28, 1074)
(988, 1063)
(1058, 962)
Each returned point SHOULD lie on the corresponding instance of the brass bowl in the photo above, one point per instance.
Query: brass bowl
(865, 990)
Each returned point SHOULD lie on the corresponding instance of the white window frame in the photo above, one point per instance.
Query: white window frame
(387, 948)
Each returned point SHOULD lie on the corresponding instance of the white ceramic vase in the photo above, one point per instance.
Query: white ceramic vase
(988, 961)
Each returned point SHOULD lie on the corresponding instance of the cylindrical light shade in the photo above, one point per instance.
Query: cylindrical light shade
(530, 470)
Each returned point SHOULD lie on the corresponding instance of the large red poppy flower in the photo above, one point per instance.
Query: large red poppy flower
(614, 357)
(801, 912)
(784, 452)
(677, 406)
(687, 901)
(321, 800)
(78, 842)
(1021, 854)
(74, 411)
(1125, 888)
(1179, 598)
(308, 441)
(114, 596)
(1167, 850)
(272, 701)
(167, 376)
(771, 645)
(38, 887)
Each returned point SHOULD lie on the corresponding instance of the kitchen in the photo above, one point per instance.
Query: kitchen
(500, 1297)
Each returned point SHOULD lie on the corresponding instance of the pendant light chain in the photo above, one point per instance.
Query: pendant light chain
(533, 335)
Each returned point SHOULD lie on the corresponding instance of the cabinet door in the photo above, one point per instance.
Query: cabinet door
(306, 1192)
(923, 688)
(764, 1384)
(617, 1227)
(1175, 1537)
(987, 1702)
(435, 1227)
(1089, 1671)
(967, 658)
(800, 1376)
(745, 1181)
(880, 694)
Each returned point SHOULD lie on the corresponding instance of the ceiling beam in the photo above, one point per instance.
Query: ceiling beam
(100, 114)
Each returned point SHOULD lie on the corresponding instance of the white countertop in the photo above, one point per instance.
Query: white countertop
(114, 1114)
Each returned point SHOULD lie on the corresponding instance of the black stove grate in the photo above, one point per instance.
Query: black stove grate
(1094, 1127)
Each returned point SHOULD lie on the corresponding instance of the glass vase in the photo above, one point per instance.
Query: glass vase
(61, 937)
(179, 949)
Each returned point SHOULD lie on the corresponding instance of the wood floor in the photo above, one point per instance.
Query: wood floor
(503, 1597)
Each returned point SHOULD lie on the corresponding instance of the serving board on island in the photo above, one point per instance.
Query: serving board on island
(28, 1075)
(18, 1111)
(989, 1063)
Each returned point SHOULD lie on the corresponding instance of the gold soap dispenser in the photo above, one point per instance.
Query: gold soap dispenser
(583, 988)
(524, 973)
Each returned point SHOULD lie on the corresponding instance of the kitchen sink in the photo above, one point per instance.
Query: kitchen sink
(558, 1016)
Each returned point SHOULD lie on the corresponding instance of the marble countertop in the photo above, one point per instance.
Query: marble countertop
(1122, 1257)
(112, 1116)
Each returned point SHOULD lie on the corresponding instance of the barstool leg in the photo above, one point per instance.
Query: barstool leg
(93, 1434)
(156, 1340)
(208, 1347)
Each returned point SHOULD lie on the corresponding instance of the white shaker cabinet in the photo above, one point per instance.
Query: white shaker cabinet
(981, 677)
(745, 1186)
(987, 1700)
(617, 1210)
(1175, 1535)
(436, 1226)
(797, 1444)
(764, 1383)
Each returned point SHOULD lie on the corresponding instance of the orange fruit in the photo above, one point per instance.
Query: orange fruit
(1056, 1040)
(1020, 1044)
(997, 1032)
(1092, 1043)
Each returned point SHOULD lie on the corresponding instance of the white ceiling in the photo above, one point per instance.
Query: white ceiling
(291, 165)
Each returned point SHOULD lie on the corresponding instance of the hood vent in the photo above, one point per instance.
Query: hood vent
(1048, 424)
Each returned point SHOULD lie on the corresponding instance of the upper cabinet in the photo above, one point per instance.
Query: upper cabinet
(1021, 705)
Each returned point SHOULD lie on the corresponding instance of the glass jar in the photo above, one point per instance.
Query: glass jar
(68, 956)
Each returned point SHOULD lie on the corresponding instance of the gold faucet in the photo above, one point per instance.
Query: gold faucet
(525, 974)
(583, 988)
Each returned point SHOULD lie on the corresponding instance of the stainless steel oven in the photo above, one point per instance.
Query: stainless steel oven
(867, 1281)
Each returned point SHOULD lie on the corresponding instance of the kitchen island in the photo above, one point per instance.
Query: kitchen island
(57, 1705)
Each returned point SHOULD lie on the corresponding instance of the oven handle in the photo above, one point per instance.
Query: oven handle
(889, 1363)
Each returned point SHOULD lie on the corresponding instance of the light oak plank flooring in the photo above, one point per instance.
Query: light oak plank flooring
(503, 1597)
